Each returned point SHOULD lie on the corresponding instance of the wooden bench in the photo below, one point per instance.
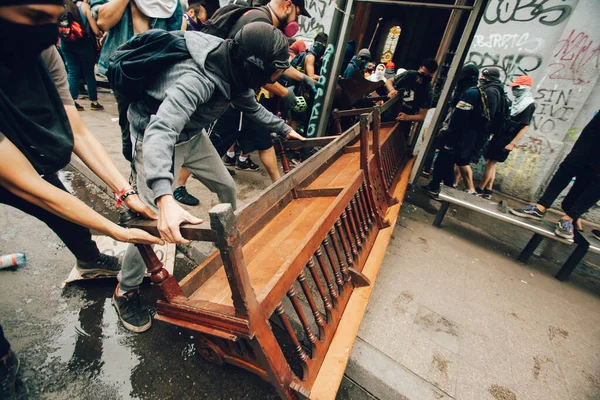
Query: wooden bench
(541, 229)
(296, 253)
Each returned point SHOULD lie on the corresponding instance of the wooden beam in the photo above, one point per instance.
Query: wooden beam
(188, 231)
(308, 143)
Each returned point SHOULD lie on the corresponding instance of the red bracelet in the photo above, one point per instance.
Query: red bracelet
(119, 196)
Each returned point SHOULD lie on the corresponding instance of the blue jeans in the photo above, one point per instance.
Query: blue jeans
(80, 58)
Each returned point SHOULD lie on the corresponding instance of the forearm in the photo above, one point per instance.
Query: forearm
(93, 154)
(93, 25)
(389, 85)
(293, 74)
(19, 177)
(420, 117)
(520, 135)
(110, 14)
(276, 88)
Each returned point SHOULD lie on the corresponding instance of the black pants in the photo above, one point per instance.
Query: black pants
(583, 163)
(4, 345)
(77, 238)
(122, 107)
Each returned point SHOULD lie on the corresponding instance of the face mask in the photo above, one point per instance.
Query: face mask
(318, 49)
(22, 43)
(518, 91)
(291, 29)
(424, 79)
(482, 81)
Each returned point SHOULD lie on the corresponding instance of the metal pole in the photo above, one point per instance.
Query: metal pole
(340, 30)
(440, 112)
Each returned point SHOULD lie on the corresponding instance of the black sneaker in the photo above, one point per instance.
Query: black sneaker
(530, 211)
(485, 193)
(96, 107)
(564, 229)
(103, 265)
(596, 233)
(430, 190)
(79, 107)
(131, 313)
(479, 190)
(247, 165)
(9, 367)
(181, 195)
(229, 161)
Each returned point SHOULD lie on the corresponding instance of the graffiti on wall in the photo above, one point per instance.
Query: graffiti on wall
(546, 12)
(553, 108)
(311, 131)
(322, 14)
(574, 58)
(510, 65)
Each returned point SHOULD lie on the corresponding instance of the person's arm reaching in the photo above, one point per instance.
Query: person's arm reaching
(93, 154)
(389, 86)
(85, 7)
(419, 117)
(110, 13)
(517, 138)
(309, 66)
(18, 176)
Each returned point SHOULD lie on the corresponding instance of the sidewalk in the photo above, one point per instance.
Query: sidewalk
(454, 316)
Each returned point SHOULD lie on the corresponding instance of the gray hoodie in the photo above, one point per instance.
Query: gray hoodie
(190, 99)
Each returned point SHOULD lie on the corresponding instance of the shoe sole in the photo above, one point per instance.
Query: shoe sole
(97, 109)
(97, 273)
(128, 326)
(247, 169)
(523, 215)
(563, 235)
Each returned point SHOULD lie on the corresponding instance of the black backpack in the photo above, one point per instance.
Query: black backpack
(224, 18)
(70, 25)
(136, 63)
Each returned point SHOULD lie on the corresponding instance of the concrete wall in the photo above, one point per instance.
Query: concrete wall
(557, 42)
(322, 15)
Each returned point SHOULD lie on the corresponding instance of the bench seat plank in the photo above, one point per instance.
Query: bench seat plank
(339, 173)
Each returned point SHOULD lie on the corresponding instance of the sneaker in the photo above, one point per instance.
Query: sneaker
(79, 107)
(103, 265)
(131, 313)
(229, 161)
(596, 233)
(430, 190)
(473, 192)
(484, 194)
(181, 195)
(530, 211)
(96, 107)
(247, 165)
(564, 229)
(9, 367)
(478, 190)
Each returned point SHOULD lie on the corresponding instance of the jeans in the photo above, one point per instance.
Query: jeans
(200, 158)
(77, 238)
(4, 345)
(80, 58)
(583, 164)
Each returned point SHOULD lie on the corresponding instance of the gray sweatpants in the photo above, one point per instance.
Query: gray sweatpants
(200, 158)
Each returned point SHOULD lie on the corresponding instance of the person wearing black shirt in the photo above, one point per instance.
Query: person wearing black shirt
(502, 143)
(415, 89)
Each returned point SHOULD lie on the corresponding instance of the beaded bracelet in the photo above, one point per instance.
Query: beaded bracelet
(123, 194)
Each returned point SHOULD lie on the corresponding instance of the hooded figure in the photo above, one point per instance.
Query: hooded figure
(379, 74)
(357, 64)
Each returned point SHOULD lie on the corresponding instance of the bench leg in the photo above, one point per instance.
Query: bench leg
(572, 262)
(533, 244)
(441, 214)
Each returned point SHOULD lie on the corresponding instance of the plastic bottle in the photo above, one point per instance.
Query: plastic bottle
(12, 260)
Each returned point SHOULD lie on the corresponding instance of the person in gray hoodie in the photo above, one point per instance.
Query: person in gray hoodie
(168, 129)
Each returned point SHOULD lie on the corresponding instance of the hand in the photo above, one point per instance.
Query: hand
(293, 135)
(310, 82)
(509, 147)
(134, 203)
(134, 235)
(170, 216)
(288, 101)
(392, 93)
(402, 117)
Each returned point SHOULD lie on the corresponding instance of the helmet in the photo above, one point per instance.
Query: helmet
(262, 50)
(300, 104)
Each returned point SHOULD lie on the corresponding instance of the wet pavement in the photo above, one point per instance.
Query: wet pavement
(69, 340)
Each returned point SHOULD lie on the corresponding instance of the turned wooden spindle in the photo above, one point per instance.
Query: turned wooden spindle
(363, 202)
(359, 220)
(169, 288)
(290, 331)
(354, 226)
(367, 197)
(313, 305)
(349, 234)
(326, 303)
(334, 263)
(364, 216)
(332, 292)
(339, 229)
(340, 254)
(291, 294)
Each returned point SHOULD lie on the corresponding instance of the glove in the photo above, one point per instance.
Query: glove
(310, 82)
(288, 101)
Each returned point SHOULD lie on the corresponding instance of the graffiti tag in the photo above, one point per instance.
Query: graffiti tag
(572, 56)
(520, 42)
(503, 11)
(311, 131)
(552, 109)
(510, 65)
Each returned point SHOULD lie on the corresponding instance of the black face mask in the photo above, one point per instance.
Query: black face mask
(318, 49)
(23, 43)
(424, 79)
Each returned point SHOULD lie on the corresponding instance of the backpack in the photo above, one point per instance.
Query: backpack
(70, 24)
(298, 61)
(224, 18)
(500, 124)
(137, 62)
